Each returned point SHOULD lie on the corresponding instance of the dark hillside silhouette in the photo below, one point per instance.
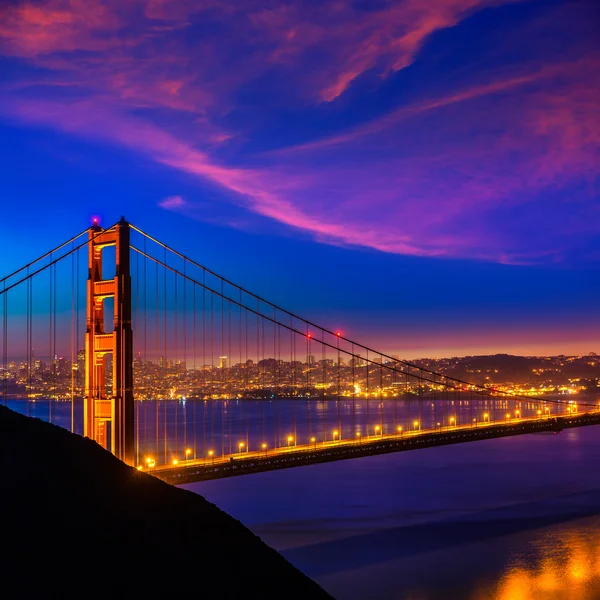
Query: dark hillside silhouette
(75, 521)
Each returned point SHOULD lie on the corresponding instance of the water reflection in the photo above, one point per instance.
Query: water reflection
(567, 567)
(513, 518)
(168, 430)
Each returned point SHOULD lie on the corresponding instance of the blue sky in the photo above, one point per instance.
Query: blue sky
(423, 176)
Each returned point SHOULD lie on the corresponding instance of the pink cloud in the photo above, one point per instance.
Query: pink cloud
(172, 202)
(427, 178)
(392, 38)
(353, 40)
(33, 29)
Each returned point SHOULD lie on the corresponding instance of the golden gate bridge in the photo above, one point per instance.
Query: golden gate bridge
(180, 372)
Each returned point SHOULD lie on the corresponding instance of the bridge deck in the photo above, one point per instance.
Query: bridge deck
(284, 458)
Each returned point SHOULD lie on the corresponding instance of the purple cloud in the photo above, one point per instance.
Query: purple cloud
(463, 169)
(172, 203)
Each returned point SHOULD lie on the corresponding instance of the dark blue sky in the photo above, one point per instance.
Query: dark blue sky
(421, 175)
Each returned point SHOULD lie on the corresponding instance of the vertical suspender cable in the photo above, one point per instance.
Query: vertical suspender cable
(80, 376)
(175, 450)
(212, 362)
(28, 349)
(72, 341)
(165, 360)
(138, 373)
(159, 360)
(51, 355)
(55, 352)
(367, 367)
(146, 359)
(338, 400)
(274, 382)
(195, 380)
(184, 363)
(381, 392)
(420, 405)
(5, 344)
(293, 391)
(324, 404)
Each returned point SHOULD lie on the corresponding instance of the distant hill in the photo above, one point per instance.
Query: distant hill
(75, 521)
(501, 368)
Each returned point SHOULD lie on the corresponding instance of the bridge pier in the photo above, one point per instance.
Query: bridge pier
(109, 419)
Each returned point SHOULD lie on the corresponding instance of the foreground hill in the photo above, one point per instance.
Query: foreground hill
(75, 520)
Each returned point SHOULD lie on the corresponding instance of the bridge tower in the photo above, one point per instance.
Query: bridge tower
(109, 420)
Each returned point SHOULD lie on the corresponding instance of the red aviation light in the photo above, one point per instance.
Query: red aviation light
(338, 333)
(309, 335)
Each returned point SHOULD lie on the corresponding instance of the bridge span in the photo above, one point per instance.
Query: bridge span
(244, 463)
(120, 331)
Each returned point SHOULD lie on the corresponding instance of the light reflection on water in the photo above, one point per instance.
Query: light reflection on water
(507, 519)
(566, 566)
(167, 429)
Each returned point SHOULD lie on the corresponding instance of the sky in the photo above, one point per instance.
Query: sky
(423, 176)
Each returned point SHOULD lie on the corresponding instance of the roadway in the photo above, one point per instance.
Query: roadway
(266, 459)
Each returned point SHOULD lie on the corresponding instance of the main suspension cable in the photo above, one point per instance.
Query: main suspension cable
(455, 384)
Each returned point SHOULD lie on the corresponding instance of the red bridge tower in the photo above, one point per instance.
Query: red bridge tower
(109, 420)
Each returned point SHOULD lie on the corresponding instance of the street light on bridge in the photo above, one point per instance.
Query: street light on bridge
(290, 440)
(452, 421)
(241, 446)
(211, 453)
(416, 425)
(377, 429)
(335, 434)
(264, 447)
(313, 440)
(359, 436)
(187, 454)
(400, 429)
(486, 417)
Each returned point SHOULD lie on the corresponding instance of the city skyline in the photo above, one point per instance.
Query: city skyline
(344, 376)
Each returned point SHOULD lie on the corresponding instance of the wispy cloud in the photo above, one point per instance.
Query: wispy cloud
(423, 106)
(172, 202)
(461, 170)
